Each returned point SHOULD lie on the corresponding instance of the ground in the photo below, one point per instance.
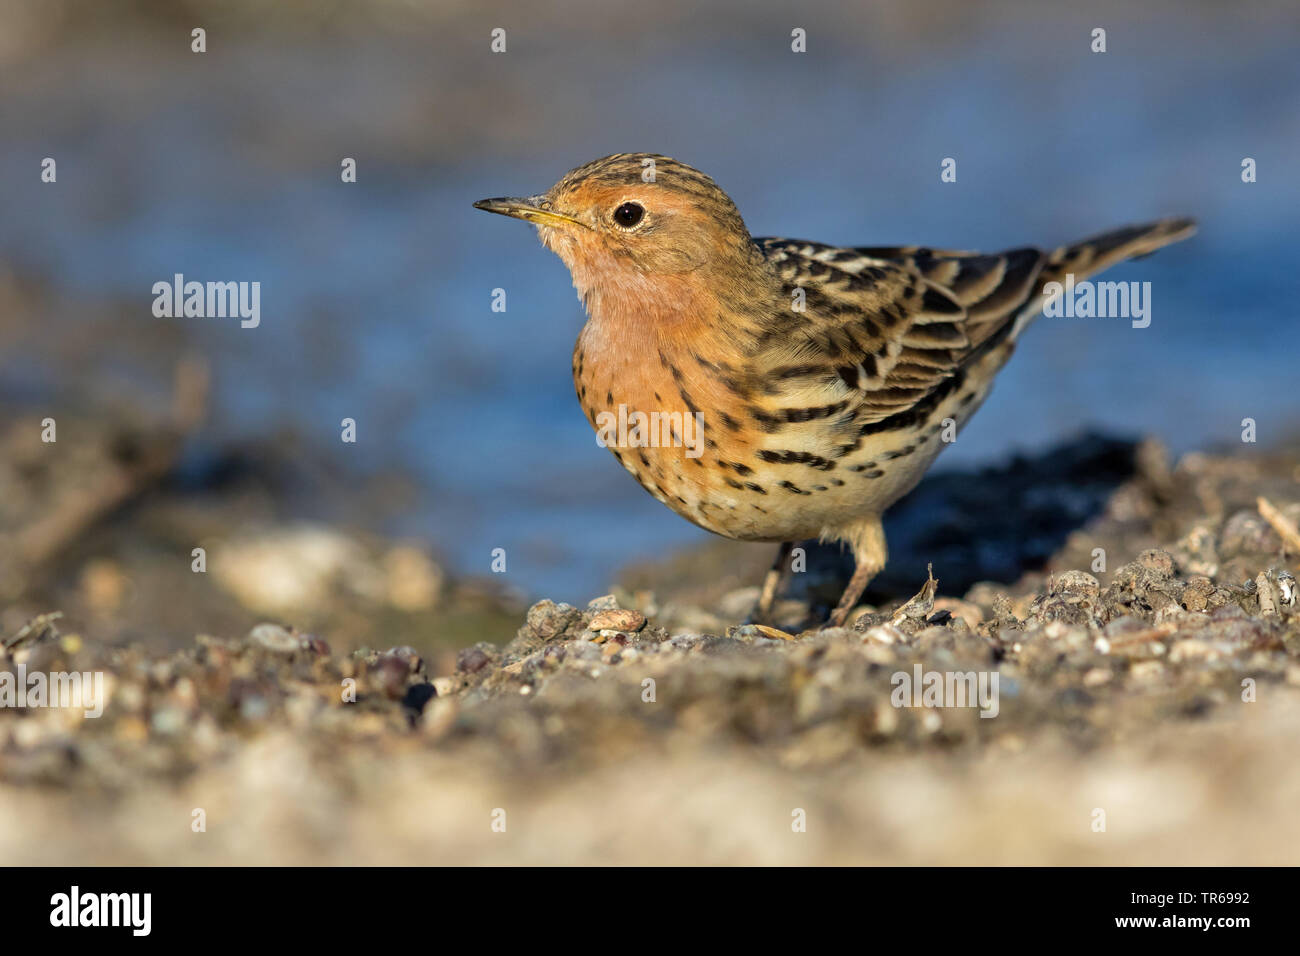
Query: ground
(1148, 699)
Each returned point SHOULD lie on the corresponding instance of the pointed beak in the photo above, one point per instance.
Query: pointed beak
(532, 209)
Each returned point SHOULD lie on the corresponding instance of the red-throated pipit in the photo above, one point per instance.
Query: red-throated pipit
(826, 379)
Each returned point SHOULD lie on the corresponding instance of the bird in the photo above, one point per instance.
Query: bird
(824, 379)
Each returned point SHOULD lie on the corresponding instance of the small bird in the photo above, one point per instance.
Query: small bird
(825, 379)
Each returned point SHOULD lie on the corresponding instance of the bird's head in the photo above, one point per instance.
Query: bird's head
(635, 222)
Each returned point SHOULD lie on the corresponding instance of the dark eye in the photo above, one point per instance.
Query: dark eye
(628, 214)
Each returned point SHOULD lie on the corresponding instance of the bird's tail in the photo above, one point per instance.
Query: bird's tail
(1098, 253)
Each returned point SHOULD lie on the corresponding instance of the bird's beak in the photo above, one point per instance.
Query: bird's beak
(529, 209)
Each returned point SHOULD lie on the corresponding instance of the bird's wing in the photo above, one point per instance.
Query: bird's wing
(893, 325)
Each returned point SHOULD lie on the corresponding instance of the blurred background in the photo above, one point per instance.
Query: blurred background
(376, 296)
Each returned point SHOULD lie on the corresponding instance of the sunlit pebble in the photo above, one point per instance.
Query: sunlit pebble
(1101, 646)
(613, 621)
(274, 638)
(884, 634)
(931, 722)
(525, 691)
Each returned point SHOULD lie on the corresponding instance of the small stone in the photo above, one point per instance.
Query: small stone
(1074, 582)
(1160, 563)
(471, 660)
(407, 655)
(962, 610)
(617, 620)
(606, 602)
(445, 686)
(274, 638)
(390, 676)
(549, 620)
(747, 632)
(884, 634)
(1247, 533)
(1196, 595)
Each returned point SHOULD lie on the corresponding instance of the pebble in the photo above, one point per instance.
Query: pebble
(549, 620)
(1073, 582)
(617, 620)
(884, 634)
(471, 660)
(274, 638)
(1158, 562)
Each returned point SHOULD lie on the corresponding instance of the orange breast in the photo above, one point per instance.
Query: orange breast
(675, 419)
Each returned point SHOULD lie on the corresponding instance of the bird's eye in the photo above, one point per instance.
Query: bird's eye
(628, 214)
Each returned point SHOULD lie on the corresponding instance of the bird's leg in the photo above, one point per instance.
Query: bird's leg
(867, 539)
(772, 583)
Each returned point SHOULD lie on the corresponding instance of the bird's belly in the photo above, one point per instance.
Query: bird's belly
(722, 487)
(704, 454)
